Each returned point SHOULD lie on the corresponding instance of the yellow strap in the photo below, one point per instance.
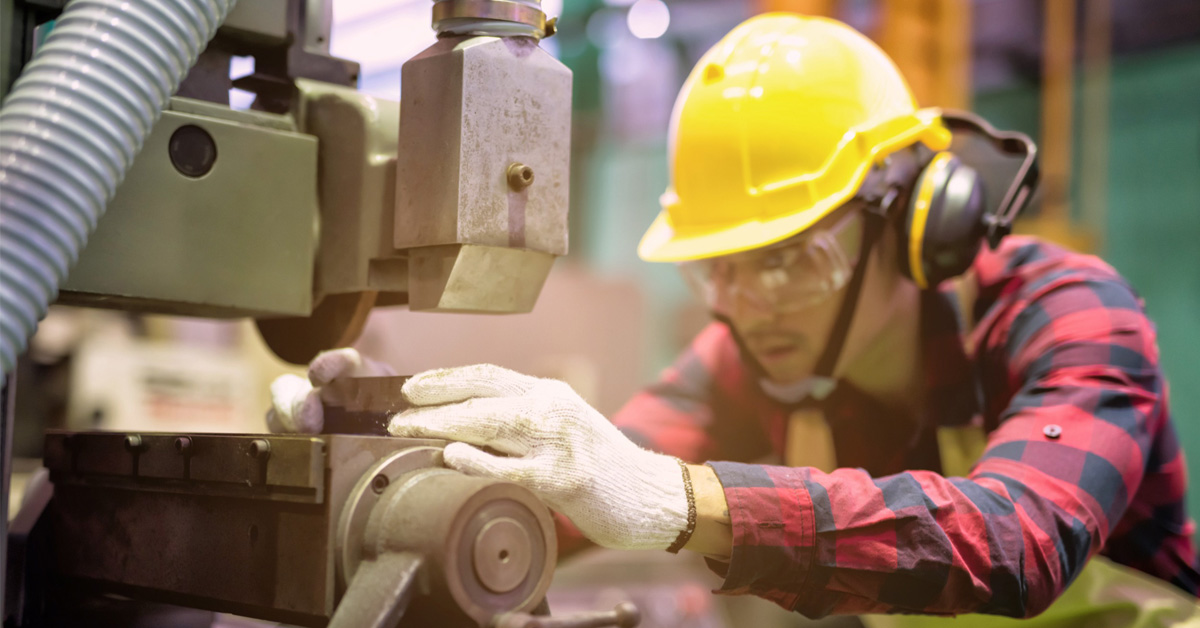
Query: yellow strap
(809, 441)
(960, 448)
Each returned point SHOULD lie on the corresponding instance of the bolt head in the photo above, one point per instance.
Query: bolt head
(260, 448)
(520, 176)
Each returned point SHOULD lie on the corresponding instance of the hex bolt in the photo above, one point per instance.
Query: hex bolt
(520, 176)
(183, 445)
(260, 448)
(133, 442)
(379, 483)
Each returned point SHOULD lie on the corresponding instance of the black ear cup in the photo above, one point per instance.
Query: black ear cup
(944, 222)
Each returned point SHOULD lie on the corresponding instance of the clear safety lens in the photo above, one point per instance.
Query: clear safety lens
(795, 274)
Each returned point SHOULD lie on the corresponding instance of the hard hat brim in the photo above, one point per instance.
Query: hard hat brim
(662, 242)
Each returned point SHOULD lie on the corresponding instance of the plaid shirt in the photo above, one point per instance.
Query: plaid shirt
(1054, 357)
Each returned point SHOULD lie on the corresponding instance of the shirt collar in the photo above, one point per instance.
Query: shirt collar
(950, 397)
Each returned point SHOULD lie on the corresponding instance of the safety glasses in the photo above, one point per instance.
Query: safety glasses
(793, 275)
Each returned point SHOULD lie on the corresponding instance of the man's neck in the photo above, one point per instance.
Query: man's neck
(891, 368)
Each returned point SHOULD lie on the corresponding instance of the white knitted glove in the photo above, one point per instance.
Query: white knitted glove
(569, 455)
(296, 402)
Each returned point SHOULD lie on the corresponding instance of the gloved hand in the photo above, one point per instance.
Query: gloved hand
(296, 402)
(569, 455)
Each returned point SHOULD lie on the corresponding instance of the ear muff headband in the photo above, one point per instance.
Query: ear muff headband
(947, 218)
(919, 217)
(999, 223)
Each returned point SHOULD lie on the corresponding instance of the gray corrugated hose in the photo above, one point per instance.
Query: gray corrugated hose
(69, 130)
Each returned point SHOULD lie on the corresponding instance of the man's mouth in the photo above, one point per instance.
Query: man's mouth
(777, 353)
(775, 348)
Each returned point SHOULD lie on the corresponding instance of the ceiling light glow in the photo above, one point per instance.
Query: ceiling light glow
(648, 19)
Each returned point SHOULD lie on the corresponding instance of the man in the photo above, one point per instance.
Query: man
(834, 238)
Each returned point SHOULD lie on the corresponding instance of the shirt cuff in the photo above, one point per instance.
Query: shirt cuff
(774, 531)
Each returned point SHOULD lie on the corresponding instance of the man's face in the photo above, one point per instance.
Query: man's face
(786, 315)
(786, 344)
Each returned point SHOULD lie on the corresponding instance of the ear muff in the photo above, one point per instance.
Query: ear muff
(944, 225)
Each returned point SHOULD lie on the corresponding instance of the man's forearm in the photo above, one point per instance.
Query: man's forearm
(713, 536)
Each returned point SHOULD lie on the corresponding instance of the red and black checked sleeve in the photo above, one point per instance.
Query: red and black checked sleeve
(1069, 452)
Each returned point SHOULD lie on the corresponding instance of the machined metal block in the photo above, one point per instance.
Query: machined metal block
(477, 113)
(356, 155)
(332, 529)
(238, 523)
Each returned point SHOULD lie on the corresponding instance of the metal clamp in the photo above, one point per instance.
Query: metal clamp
(500, 10)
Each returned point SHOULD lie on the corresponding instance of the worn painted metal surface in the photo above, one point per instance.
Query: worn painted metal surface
(339, 529)
(482, 109)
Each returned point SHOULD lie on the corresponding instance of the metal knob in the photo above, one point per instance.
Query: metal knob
(625, 615)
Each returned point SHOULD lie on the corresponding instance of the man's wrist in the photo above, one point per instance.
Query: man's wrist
(713, 536)
(689, 494)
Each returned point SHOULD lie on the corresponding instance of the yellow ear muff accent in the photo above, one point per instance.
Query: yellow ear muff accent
(920, 216)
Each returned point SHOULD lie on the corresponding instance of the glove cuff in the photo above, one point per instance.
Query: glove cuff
(686, 534)
(652, 510)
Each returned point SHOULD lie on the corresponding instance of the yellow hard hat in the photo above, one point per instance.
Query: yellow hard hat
(777, 126)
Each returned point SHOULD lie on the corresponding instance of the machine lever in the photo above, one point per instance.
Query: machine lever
(625, 615)
(379, 593)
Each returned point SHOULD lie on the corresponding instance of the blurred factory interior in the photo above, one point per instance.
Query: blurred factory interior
(1109, 88)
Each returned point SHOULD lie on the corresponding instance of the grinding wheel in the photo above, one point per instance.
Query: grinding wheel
(336, 322)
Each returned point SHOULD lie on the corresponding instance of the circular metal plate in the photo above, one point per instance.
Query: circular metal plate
(503, 10)
(503, 553)
(475, 592)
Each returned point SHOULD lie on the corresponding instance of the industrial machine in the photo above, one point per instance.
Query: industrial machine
(303, 213)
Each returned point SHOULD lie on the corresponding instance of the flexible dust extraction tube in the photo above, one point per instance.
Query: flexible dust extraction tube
(69, 131)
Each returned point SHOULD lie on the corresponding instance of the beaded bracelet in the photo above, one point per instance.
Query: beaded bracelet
(686, 534)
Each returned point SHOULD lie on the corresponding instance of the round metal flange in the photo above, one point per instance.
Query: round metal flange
(488, 546)
(499, 10)
(366, 494)
(502, 554)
